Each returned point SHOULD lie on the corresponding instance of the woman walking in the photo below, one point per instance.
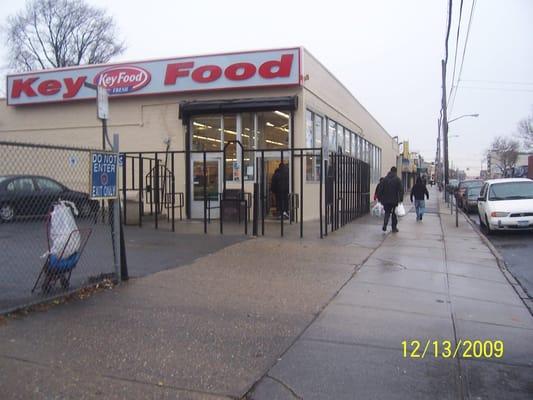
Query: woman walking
(418, 191)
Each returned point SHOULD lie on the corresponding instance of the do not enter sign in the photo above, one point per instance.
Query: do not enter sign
(103, 175)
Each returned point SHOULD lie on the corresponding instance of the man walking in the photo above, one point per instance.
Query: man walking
(418, 191)
(390, 193)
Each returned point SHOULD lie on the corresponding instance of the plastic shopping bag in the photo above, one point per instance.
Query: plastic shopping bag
(378, 210)
(63, 230)
(400, 210)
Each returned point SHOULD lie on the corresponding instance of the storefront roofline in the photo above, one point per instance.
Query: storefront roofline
(118, 63)
(308, 53)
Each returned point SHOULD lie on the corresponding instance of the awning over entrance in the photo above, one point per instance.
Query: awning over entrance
(288, 103)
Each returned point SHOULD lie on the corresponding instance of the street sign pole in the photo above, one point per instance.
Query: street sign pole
(116, 218)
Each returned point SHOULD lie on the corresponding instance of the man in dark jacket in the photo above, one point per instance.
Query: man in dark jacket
(418, 191)
(390, 194)
(280, 188)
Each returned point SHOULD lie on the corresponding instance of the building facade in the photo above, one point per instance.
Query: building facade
(280, 101)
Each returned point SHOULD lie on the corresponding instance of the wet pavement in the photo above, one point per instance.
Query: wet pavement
(516, 249)
(430, 282)
(271, 318)
(208, 329)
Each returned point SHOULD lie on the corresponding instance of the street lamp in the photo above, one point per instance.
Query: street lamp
(445, 144)
(463, 116)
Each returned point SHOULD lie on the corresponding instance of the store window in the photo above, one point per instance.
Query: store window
(313, 140)
(318, 131)
(347, 143)
(232, 164)
(206, 133)
(309, 129)
(371, 161)
(265, 130)
(340, 138)
(248, 139)
(273, 129)
(332, 135)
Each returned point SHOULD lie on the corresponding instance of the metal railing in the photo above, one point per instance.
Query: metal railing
(153, 176)
(347, 190)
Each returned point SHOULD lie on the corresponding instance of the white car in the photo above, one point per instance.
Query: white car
(506, 204)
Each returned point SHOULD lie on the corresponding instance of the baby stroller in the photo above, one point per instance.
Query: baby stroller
(65, 246)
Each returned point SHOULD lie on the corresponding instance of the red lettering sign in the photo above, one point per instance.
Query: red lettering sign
(121, 79)
(240, 71)
(174, 71)
(73, 86)
(277, 69)
(49, 87)
(23, 86)
(207, 73)
(264, 68)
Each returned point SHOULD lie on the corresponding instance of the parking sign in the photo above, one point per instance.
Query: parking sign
(103, 175)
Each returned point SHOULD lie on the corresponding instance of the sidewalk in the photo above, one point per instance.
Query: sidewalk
(430, 281)
(273, 318)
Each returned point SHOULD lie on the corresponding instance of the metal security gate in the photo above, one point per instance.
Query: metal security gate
(157, 185)
(347, 190)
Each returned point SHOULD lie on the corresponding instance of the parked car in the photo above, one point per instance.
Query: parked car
(506, 204)
(471, 195)
(452, 185)
(467, 194)
(32, 195)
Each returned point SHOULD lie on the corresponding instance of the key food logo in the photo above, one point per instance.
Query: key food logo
(123, 79)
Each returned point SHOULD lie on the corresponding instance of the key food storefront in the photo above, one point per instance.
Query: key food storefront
(217, 123)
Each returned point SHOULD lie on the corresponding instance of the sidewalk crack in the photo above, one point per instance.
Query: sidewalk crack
(287, 387)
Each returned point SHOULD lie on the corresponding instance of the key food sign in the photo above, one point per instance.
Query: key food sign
(268, 68)
(103, 175)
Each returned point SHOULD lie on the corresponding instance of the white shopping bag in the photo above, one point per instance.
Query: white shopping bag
(400, 210)
(63, 229)
(378, 210)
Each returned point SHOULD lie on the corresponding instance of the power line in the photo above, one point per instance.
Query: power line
(456, 46)
(493, 88)
(498, 82)
(472, 10)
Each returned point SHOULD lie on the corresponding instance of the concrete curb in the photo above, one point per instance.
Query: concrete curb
(517, 286)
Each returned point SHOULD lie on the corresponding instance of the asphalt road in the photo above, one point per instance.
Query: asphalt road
(517, 251)
(23, 243)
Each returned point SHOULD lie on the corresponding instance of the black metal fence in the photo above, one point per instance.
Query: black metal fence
(49, 248)
(158, 185)
(347, 190)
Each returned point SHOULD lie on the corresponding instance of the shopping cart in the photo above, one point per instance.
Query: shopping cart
(58, 267)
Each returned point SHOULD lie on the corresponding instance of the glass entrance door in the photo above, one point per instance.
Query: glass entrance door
(213, 185)
(272, 194)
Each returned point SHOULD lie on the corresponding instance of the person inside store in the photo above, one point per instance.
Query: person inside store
(280, 188)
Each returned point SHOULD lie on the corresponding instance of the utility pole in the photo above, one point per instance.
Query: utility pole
(445, 125)
(438, 172)
(444, 102)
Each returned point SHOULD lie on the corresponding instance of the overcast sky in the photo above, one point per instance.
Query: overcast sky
(387, 52)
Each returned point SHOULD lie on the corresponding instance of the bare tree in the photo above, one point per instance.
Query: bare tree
(503, 153)
(525, 132)
(60, 33)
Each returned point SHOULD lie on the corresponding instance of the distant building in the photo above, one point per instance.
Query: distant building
(495, 168)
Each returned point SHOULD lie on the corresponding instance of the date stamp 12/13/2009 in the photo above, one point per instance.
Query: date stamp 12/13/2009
(464, 348)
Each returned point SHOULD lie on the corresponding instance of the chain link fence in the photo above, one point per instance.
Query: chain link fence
(53, 238)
